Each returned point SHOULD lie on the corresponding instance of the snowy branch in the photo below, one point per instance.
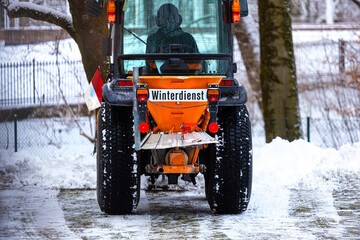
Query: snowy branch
(357, 2)
(37, 12)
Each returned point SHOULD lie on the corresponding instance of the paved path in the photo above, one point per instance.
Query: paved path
(32, 213)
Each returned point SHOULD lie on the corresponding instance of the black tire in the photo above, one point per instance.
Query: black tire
(228, 178)
(118, 178)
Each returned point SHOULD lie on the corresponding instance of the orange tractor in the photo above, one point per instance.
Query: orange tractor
(171, 106)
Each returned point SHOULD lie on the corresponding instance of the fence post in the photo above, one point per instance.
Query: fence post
(308, 128)
(341, 56)
(15, 131)
(34, 77)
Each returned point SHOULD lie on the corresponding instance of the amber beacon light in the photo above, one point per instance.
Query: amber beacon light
(235, 8)
(111, 8)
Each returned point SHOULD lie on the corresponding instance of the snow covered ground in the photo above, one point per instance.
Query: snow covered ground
(300, 191)
(48, 51)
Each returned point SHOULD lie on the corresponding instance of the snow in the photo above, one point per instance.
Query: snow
(282, 169)
(277, 166)
(306, 36)
(43, 212)
(47, 51)
(65, 171)
(15, 6)
(303, 165)
(330, 11)
(52, 154)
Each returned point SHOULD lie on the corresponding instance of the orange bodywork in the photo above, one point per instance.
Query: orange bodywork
(193, 155)
(180, 169)
(177, 158)
(179, 116)
(168, 118)
(180, 82)
(172, 116)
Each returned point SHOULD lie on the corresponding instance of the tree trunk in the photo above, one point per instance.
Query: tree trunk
(89, 34)
(330, 11)
(278, 72)
(357, 2)
(247, 35)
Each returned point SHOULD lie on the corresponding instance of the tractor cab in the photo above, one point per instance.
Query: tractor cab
(176, 37)
(171, 105)
(195, 35)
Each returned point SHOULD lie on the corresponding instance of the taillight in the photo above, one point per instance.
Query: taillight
(213, 127)
(142, 94)
(123, 83)
(111, 8)
(226, 83)
(235, 8)
(142, 97)
(213, 95)
(143, 127)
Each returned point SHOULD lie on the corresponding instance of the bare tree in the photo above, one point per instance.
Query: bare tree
(247, 35)
(357, 2)
(86, 31)
(278, 72)
(320, 11)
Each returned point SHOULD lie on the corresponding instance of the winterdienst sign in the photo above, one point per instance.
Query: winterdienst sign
(183, 95)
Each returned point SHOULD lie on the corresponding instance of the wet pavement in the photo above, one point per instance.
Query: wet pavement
(32, 213)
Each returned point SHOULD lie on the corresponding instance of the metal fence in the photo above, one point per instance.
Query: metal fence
(29, 83)
(35, 82)
(323, 132)
(44, 137)
(324, 58)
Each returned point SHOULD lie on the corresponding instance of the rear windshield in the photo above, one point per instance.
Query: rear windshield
(175, 26)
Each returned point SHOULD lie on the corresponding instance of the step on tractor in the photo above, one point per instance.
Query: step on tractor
(171, 107)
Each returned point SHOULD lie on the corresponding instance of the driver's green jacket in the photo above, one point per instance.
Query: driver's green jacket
(160, 41)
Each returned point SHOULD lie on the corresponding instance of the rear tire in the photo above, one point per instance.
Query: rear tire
(229, 165)
(118, 178)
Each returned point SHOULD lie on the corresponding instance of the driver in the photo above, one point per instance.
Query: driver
(169, 20)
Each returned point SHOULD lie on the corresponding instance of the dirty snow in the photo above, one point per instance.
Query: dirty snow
(286, 176)
(277, 166)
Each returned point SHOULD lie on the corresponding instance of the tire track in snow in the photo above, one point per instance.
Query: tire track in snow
(35, 213)
(32, 213)
(84, 217)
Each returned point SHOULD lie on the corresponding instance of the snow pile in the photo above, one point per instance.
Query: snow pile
(66, 171)
(277, 166)
(303, 165)
(283, 169)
